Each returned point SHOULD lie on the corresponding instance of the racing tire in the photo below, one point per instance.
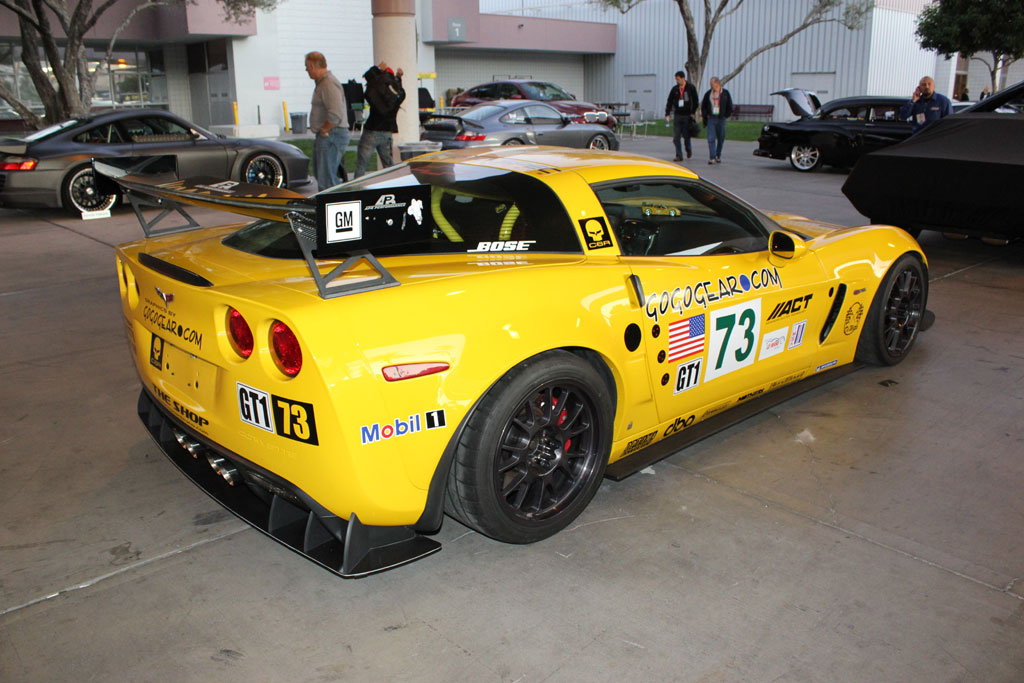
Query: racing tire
(896, 314)
(263, 169)
(598, 142)
(533, 453)
(79, 193)
(805, 158)
(511, 142)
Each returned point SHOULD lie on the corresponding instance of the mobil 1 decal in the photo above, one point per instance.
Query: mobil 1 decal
(348, 221)
(733, 334)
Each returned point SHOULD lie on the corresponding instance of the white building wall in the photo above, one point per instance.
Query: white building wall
(341, 29)
(978, 76)
(897, 60)
(179, 96)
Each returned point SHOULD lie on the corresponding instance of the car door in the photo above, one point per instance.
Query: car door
(518, 126)
(198, 154)
(845, 130)
(884, 127)
(549, 126)
(723, 322)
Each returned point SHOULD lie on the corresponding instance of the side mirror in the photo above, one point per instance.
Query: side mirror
(784, 247)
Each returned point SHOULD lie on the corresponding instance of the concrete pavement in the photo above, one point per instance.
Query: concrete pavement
(866, 531)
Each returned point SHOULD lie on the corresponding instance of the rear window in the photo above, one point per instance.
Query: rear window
(472, 210)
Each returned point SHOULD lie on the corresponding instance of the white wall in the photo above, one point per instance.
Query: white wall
(897, 61)
(465, 68)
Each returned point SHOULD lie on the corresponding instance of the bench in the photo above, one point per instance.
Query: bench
(753, 112)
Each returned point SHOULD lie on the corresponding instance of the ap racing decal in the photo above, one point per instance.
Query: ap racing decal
(704, 293)
(432, 419)
(277, 415)
(596, 231)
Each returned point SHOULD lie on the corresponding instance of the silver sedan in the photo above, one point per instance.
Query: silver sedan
(516, 122)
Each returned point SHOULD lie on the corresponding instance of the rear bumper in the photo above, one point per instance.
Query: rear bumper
(278, 508)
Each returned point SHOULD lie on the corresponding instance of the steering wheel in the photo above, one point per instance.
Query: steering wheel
(637, 236)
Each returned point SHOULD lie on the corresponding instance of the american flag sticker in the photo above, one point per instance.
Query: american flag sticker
(796, 337)
(685, 338)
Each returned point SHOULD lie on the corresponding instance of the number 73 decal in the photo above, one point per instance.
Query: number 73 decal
(733, 333)
(287, 418)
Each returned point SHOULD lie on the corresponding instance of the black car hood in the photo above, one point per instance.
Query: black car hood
(801, 102)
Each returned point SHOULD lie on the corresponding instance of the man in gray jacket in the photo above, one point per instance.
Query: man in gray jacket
(327, 120)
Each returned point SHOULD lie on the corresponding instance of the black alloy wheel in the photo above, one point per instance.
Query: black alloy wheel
(896, 314)
(81, 194)
(264, 169)
(598, 142)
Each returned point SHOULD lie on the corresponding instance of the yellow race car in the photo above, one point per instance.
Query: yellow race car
(483, 334)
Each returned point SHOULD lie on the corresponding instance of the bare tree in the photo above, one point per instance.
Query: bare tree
(46, 26)
(849, 13)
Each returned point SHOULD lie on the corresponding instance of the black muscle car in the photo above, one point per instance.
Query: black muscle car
(837, 133)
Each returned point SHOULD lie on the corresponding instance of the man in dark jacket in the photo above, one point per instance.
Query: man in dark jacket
(683, 102)
(715, 108)
(384, 95)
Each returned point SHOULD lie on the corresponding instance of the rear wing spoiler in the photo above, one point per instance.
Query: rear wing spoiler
(337, 226)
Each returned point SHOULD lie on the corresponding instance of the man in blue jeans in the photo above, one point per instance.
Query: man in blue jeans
(715, 109)
(328, 121)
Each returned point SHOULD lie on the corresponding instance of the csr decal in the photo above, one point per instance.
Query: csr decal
(278, 415)
(597, 233)
(704, 293)
(679, 425)
(641, 443)
(502, 245)
(432, 419)
(791, 306)
(192, 416)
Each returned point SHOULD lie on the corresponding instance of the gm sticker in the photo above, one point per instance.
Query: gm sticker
(344, 221)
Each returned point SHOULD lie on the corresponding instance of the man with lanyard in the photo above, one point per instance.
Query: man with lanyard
(715, 108)
(925, 105)
(683, 101)
(328, 121)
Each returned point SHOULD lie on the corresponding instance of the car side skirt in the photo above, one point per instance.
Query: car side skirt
(620, 469)
(278, 508)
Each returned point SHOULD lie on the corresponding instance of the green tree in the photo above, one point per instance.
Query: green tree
(53, 50)
(989, 31)
(849, 13)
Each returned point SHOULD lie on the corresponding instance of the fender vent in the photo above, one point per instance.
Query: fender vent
(833, 313)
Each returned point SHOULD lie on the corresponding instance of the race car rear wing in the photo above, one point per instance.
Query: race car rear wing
(337, 226)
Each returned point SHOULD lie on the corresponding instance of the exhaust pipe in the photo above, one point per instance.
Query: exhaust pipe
(224, 468)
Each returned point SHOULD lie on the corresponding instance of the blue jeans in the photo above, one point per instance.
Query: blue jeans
(716, 135)
(373, 141)
(681, 129)
(328, 151)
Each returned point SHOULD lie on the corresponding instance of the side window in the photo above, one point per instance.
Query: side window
(156, 129)
(485, 92)
(136, 128)
(884, 113)
(506, 91)
(164, 126)
(100, 135)
(516, 117)
(679, 218)
(543, 115)
(847, 114)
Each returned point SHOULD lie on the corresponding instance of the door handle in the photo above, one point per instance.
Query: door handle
(638, 289)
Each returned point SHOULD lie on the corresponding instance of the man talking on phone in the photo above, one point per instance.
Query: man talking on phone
(925, 105)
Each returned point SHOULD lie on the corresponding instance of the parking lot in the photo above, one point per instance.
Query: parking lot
(869, 530)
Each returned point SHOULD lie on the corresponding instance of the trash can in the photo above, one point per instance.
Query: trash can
(408, 150)
(298, 122)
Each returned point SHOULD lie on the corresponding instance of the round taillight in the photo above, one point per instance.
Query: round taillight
(239, 333)
(287, 353)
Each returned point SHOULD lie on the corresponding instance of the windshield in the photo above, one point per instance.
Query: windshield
(545, 91)
(472, 210)
(51, 130)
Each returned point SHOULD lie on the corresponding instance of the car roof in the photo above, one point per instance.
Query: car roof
(867, 100)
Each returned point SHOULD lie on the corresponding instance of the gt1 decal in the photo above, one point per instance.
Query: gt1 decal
(432, 419)
(704, 293)
(502, 245)
(641, 443)
(773, 343)
(826, 366)
(853, 317)
(796, 337)
(733, 334)
(344, 221)
(680, 424)
(596, 232)
(282, 416)
(254, 407)
(688, 375)
(791, 306)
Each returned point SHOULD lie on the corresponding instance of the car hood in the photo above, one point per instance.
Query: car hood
(801, 102)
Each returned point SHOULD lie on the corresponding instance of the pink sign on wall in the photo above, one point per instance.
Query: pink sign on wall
(271, 83)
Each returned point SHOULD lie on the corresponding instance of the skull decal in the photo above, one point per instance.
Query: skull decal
(595, 230)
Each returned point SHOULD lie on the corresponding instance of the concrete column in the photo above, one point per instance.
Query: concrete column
(394, 42)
